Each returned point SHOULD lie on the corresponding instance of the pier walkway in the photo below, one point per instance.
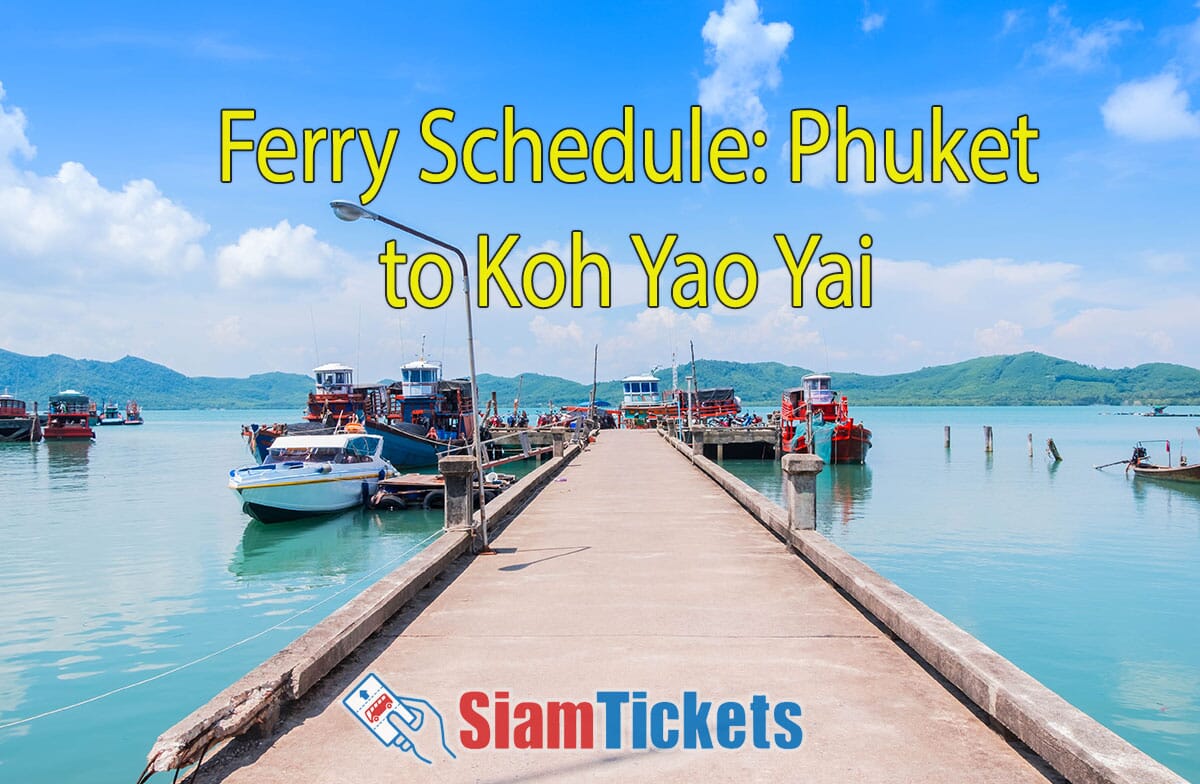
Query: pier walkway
(634, 571)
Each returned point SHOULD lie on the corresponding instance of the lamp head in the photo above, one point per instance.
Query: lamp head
(349, 211)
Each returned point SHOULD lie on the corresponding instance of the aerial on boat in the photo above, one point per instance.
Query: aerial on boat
(309, 475)
(16, 424)
(69, 417)
(813, 420)
(112, 415)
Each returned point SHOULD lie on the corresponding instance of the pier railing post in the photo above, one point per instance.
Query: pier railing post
(697, 441)
(800, 490)
(557, 440)
(457, 471)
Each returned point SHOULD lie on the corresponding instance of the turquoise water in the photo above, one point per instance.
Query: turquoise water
(1089, 580)
(124, 559)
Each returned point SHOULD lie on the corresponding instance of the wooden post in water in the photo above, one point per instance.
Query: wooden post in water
(987, 439)
(1053, 450)
(947, 436)
(1031, 444)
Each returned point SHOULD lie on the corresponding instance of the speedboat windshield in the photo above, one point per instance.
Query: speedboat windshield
(303, 454)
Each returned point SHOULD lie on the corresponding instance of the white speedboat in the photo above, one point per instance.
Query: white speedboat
(303, 476)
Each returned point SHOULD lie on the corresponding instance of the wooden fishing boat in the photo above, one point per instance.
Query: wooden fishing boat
(1183, 473)
(814, 421)
(133, 413)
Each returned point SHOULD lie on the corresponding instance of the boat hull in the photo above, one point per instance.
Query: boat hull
(18, 429)
(304, 492)
(1190, 473)
(404, 449)
(835, 444)
(68, 433)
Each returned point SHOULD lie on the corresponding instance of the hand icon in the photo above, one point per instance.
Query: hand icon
(422, 729)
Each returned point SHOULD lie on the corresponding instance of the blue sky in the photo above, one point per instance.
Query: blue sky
(116, 235)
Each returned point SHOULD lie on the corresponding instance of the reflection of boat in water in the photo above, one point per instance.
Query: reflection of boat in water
(16, 424)
(304, 476)
(848, 487)
(812, 410)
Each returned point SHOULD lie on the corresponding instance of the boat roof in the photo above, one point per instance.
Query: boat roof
(68, 394)
(332, 366)
(421, 364)
(815, 376)
(639, 378)
(334, 441)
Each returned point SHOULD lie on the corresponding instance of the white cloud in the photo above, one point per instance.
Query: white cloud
(1080, 49)
(281, 252)
(228, 333)
(71, 220)
(12, 132)
(745, 55)
(873, 22)
(556, 336)
(1161, 262)
(1154, 109)
(1003, 337)
(1011, 20)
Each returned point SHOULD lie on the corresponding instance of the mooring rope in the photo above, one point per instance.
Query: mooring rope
(231, 646)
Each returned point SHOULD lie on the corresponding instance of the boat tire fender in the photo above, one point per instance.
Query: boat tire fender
(435, 499)
(366, 494)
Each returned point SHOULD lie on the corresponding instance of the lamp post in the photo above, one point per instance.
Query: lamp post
(349, 211)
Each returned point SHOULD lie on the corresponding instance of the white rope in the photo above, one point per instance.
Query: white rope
(229, 647)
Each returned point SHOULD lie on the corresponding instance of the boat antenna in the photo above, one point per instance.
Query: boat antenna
(358, 347)
(313, 320)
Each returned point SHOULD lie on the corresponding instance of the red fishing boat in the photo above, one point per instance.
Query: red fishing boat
(814, 420)
(15, 423)
(68, 417)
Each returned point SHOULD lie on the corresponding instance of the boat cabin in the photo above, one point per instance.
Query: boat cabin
(420, 378)
(10, 407)
(640, 391)
(350, 448)
(333, 379)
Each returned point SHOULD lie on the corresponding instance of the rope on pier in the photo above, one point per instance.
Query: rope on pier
(231, 646)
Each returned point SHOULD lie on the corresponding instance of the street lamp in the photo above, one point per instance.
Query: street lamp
(349, 211)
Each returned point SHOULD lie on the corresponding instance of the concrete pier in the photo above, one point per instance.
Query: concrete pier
(634, 571)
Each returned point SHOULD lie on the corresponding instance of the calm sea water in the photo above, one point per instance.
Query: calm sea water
(125, 559)
(1089, 580)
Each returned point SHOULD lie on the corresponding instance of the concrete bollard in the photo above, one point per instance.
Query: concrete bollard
(457, 471)
(698, 441)
(800, 490)
(557, 440)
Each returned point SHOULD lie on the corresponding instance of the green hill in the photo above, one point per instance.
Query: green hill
(1019, 379)
(153, 386)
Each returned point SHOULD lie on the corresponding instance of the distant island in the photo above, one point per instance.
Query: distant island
(1017, 379)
